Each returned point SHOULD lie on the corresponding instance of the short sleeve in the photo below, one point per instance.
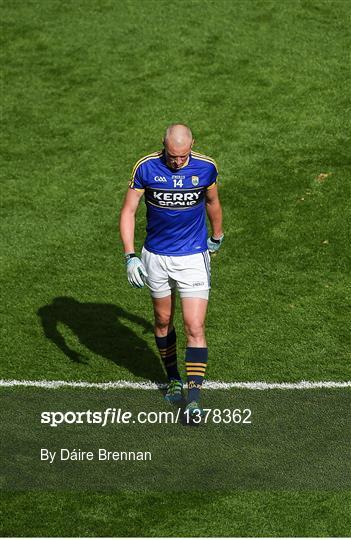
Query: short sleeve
(136, 181)
(213, 175)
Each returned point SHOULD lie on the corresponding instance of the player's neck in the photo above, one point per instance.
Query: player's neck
(182, 167)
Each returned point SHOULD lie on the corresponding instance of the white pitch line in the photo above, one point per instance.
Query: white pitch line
(149, 385)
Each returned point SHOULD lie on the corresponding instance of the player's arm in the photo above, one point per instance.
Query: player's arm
(50, 320)
(127, 218)
(214, 212)
(135, 269)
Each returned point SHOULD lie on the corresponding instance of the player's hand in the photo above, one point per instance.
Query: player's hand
(213, 244)
(136, 271)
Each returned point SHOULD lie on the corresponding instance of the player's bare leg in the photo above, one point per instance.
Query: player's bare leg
(194, 315)
(164, 312)
(166, 341)
(196, 356)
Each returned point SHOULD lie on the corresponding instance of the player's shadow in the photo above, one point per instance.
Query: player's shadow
(101, 329)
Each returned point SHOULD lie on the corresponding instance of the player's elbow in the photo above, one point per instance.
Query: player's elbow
(213, 203)
(126, 222)
(127, 213)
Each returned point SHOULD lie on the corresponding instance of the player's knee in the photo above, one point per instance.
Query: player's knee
(163, 321)
(195, 330)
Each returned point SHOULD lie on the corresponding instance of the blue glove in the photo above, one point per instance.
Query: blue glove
(213, 244)
(135, 270)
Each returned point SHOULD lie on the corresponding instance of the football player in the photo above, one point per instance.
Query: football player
(179, 186)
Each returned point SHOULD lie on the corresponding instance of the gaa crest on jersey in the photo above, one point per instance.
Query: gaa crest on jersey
(195, 180)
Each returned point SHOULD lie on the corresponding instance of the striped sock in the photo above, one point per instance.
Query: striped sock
(196, 362)
(167, 346)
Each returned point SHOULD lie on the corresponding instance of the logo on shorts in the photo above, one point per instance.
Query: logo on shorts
(195, 180)
(198, 284)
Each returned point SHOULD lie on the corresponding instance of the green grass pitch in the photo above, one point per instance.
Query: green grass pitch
(88, 88)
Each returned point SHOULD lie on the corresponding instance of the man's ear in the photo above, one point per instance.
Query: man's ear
(192, 143)
(163, 142)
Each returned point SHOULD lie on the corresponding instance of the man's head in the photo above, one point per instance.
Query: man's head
(177, 141)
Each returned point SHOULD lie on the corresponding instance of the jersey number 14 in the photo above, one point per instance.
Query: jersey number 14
(178, 183)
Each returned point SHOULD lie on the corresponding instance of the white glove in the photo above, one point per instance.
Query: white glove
(213, 244)
(135, 270)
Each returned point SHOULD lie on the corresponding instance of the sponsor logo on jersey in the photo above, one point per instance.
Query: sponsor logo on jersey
(195, 180)
(160, 179)
(174, 198)
(177, 177)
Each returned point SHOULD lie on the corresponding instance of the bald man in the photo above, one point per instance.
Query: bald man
(179, 186)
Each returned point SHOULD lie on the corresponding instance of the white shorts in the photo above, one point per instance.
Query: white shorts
(190, 274)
